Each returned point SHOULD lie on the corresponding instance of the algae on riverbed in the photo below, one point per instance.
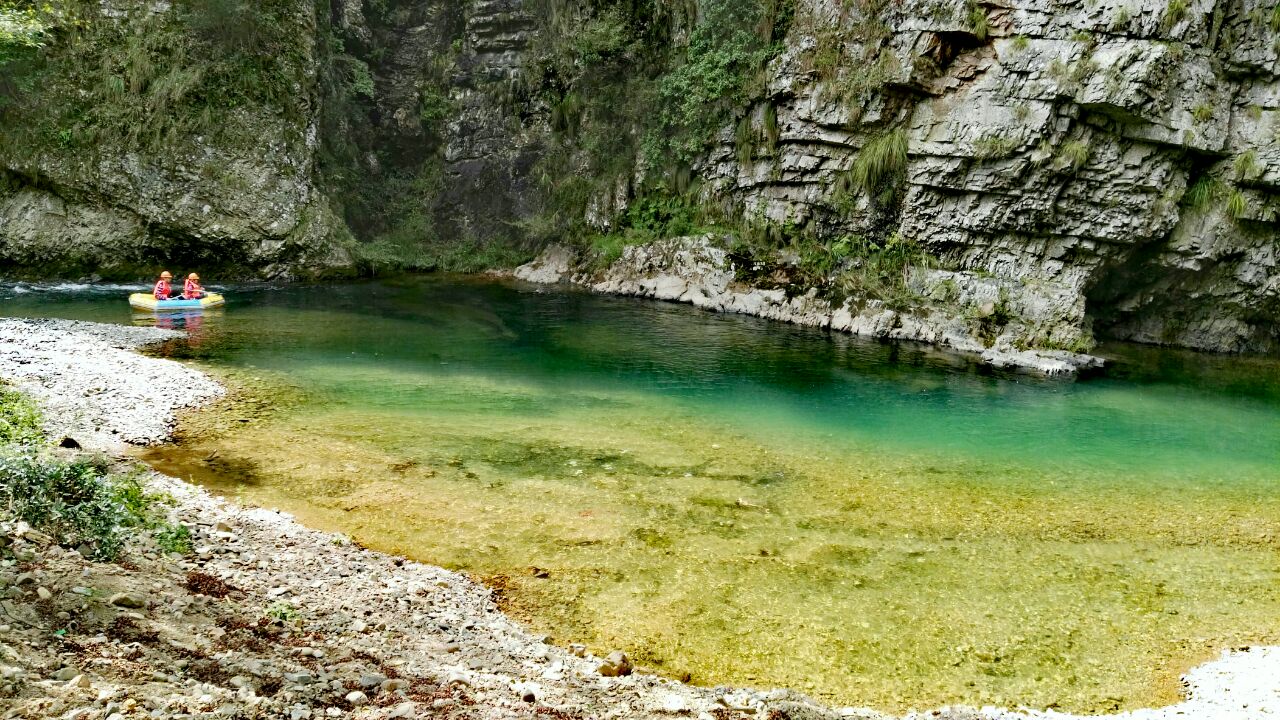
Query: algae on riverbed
(750, 503)
(862, 577)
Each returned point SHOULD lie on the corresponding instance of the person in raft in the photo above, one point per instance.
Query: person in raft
(191, 289)
(162, 289)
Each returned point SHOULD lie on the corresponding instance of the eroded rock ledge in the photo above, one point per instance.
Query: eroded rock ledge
(980, 315)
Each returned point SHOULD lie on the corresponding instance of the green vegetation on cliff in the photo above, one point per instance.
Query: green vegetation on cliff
(219, 67)
(636, 92)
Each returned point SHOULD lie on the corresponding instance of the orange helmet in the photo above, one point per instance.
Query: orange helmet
(166, 274)
(193, 276)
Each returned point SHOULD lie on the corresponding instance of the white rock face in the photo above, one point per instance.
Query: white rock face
(548, 268)
(697, 271)
(1054, 148)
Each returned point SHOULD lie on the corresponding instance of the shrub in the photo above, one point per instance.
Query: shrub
(21, 29)
(725, 51)
(19, 419)
(174, 538)
(73, 501)
(881, 269)
(282, 611)
(653, 216)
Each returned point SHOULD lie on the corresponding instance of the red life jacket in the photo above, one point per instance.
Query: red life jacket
(191, 289)
(161, 292)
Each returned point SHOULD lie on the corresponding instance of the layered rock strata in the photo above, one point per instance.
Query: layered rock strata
(697, 271)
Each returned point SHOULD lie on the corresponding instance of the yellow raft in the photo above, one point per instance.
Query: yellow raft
(148, 302)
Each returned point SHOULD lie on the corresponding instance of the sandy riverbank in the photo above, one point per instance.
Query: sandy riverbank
(310, 626)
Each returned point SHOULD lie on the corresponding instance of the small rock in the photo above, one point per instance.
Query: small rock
(357, 698)
(79, 681)
(24, 579)
(616, 664)
(403, 710)
(127, 600)
(528, 692)
(457, 678)
(300, 678)
(673, 704)
(372, 680)
(43, 593)
(37, 537)
(359, 626)
(66, 673)
(390, 686)
(439, 703)
(578, 650)
(223, 526)
(69, 443)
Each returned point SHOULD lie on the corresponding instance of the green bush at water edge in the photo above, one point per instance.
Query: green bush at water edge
(78, 501)
(19, 419)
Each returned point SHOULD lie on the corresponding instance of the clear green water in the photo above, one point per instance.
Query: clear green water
(751, 503)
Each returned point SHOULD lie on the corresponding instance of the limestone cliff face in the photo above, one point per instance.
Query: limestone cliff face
(1052, 145)
(1106, 168)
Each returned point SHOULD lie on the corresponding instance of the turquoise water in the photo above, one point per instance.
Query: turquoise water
(749, 502)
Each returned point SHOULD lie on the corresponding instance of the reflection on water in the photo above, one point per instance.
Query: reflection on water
(760, 504)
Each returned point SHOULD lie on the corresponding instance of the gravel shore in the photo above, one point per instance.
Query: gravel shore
(269, 619)
(92, 387)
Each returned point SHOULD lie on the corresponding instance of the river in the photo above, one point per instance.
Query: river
(743, 502)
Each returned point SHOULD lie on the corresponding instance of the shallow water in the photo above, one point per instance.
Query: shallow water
(752, 503)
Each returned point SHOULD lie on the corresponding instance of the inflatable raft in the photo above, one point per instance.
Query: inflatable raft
(146, 301)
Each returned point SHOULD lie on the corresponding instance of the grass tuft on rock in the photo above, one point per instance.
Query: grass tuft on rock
(883, 156)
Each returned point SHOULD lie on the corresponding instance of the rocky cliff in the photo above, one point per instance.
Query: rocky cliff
(1037, 174)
